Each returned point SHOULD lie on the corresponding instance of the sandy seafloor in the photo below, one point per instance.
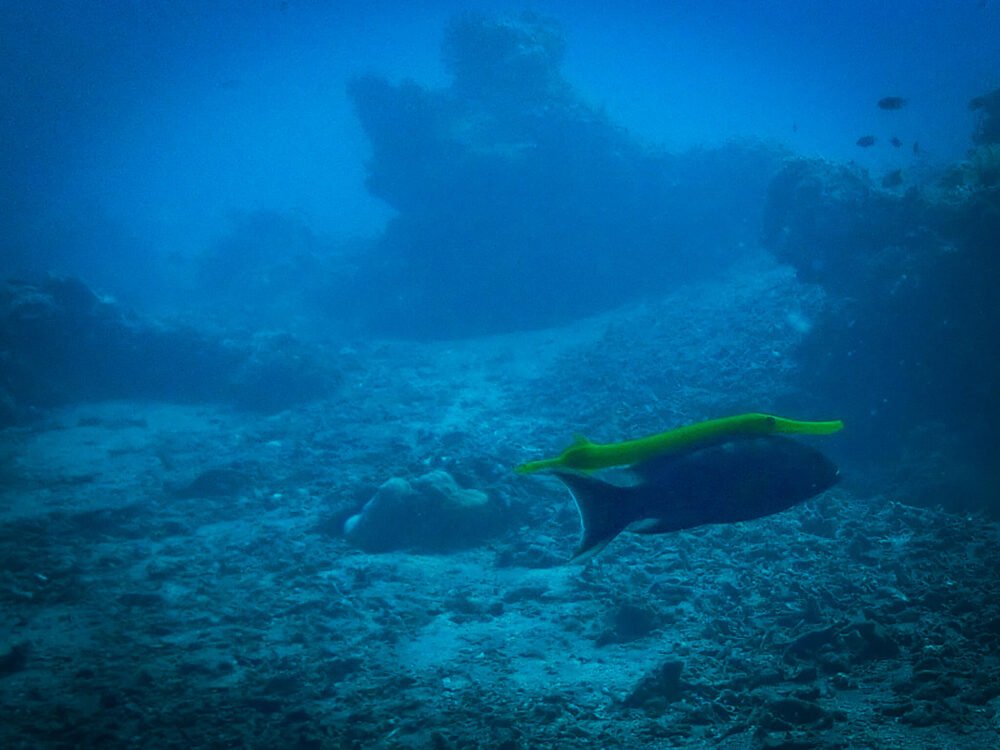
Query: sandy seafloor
(136, 614)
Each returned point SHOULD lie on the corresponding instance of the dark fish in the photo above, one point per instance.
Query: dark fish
(739, 480)
(895, 142)
(891, 102)
(893, 179)
(866, 140)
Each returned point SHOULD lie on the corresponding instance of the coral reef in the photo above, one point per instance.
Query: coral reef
(987, 109)
(910, 338)
(983, 165)
(62, 343)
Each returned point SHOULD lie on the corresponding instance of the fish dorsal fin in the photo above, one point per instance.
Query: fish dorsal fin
(578, 440)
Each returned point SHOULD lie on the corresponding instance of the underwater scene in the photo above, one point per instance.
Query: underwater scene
(500, 375)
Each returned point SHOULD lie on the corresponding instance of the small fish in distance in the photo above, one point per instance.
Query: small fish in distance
(891, 102)
(865, 141)
(896, 143)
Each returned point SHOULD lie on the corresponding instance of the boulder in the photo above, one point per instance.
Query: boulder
(431, 513)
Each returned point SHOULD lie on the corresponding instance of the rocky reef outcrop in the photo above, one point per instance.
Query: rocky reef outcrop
(909, 346)
(520, 205)
(987, 108)
(60, 342)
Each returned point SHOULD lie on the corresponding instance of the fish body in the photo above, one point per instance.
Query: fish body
(865, 141)
(739, 480)
(891, 102)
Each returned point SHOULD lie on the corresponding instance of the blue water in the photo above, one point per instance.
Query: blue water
(166, 119)
(290, 287)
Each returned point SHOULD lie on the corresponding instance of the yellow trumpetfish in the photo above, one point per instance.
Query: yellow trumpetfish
(584, 455)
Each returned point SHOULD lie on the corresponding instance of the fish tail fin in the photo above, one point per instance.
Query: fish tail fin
(604, 510)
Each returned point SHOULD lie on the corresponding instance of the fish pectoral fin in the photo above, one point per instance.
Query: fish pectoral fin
(653, 526)
(646, 525)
